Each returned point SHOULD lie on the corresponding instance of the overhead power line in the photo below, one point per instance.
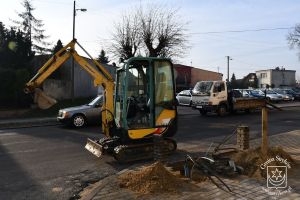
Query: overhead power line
(242, 31)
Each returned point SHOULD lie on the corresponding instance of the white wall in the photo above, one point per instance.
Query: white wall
(283, 78)
(276, 77)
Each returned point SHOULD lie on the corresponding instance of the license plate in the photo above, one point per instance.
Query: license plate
(198, 106)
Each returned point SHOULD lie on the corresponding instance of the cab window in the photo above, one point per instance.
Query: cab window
(219, 87)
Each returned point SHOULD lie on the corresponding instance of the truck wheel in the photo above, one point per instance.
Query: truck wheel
(222, 110)
(78, 121)
(202, 112)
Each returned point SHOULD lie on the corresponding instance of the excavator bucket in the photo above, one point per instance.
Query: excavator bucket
(94, 147)
(42, 100)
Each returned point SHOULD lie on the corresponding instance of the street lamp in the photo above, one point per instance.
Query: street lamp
(228, 59)
(72, 69)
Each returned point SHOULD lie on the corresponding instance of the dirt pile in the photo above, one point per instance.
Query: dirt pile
(152, 179)
(252, 159)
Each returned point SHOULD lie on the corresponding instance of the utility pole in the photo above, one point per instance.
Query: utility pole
(73, 68)
(228, 59)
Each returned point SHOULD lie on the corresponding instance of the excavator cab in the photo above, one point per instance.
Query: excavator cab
(145, 98)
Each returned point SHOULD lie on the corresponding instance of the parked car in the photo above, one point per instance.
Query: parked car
(80, 116)
(273, 96)
(256, 93)
(296, 89)
(244, 92)
(184, 98)
(284, 94)
(296, 95)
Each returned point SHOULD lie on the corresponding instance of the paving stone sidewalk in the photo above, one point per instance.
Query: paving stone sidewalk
(242, 187)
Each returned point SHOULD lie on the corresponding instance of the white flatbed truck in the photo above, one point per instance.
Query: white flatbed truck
(214, 96)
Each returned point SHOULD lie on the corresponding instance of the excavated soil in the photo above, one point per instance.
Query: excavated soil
(251, 160)
(153, 179)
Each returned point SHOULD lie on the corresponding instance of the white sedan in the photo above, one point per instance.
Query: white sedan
(184, 98)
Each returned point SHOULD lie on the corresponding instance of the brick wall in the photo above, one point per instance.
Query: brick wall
(204, 75)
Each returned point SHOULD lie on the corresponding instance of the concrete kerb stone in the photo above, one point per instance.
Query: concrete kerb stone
(25, 123)
(91, 191)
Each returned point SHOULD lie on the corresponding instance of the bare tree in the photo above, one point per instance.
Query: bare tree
(150, 31)
(162, 32)
(294, 37)
(126, 38)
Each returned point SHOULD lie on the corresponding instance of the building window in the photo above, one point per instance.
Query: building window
(263, 75)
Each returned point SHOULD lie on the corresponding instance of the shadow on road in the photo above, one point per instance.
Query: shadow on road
(16, 182)
(48, 163)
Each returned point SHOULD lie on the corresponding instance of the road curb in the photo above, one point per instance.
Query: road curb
(91, 191)
(26, 123)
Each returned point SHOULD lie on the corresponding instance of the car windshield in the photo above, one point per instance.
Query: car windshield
(280, 91)
(271, 92)
(95, 101)
(290, 91)
(255, 92)
(203, 86)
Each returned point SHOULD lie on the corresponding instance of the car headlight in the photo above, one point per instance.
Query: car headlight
(63, 114)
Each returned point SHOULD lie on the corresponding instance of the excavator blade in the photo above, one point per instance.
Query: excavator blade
(94, 147)
(43, 101)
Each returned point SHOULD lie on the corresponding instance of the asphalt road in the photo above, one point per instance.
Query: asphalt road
(194, 126)
(51, 163)
(48, 163)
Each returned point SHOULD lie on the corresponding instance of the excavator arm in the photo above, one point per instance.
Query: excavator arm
(49, 67)
(100, 75)
(105, 80)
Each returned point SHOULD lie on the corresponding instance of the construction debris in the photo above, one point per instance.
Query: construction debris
(251, 160)
(152, 179)
(208, 167)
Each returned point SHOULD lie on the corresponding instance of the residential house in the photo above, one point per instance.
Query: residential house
(278, 77)
(249, 81)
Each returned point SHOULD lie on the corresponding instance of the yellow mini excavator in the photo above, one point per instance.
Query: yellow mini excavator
(138, 105)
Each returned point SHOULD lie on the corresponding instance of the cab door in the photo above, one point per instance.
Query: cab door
(219, 92)
(149, 103)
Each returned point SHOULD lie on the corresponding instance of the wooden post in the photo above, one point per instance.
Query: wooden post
(264, 143)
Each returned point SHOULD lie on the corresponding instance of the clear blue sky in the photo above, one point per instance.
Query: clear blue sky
(250, 50)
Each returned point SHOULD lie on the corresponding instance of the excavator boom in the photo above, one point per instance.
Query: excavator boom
(100, 75)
